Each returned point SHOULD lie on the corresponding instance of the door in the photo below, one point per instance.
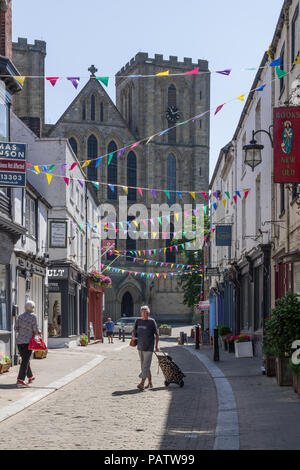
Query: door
(127, 305)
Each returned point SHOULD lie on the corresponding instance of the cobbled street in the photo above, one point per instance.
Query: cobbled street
(104, 410)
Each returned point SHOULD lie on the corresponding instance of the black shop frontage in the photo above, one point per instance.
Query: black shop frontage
(67, 305)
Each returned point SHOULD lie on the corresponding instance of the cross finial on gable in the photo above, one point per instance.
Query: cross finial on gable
(93, 70)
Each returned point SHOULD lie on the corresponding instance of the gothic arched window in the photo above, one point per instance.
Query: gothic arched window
(131, 176)
(171, 178)
(112, 171)
(73, 143)
(92, 155)
(84, 111)
(170, 255)
(93, 108)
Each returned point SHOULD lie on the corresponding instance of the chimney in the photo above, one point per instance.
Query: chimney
(6, 28)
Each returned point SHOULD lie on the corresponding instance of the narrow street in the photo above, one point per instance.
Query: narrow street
(104, 410)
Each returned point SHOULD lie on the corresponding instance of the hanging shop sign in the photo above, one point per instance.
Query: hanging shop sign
(108, 245)
(223, 235)
(287, 145)
(212, 272)
(12, 165)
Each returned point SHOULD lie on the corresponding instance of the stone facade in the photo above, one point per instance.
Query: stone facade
(94, 123)
(30, 104)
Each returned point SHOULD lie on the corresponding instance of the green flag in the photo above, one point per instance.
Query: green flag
(103, 80)
(110, 157)
(51, 168)
(167, 193)
(228, 195)
(280, 73)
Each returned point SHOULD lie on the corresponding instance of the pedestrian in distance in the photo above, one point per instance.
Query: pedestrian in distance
(146, 332)
(26, 326)
(110, 330)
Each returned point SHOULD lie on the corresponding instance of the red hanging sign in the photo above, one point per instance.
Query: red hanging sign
(287, 145)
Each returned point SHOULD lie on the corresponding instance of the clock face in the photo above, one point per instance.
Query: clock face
(172, 114)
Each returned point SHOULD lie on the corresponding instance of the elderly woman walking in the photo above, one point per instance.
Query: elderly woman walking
(26, 326)
(145, 329)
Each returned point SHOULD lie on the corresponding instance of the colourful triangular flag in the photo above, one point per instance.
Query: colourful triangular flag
(193, 195)
(242, 98)
(36, 168)
(125, 189)
(167, 193)
(193, 72)
(86, 163)
(224, 72)
(235, 199)
(276, 62)
(280, 73)
(20, 79)
(103, 80)
(224, 202)
(153, 192)
(110, 158)
(66, 180)
(297, 61)
(49, 178)
(74, 81)
(73, 166)
(51, 168)
(140, 191)
(163, 74)
(98, 162)
(52, 80)
(227, 194)
(219, 108)
(96, 184)
(261, 88)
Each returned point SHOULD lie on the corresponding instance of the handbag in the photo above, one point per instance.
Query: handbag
(134, 341)
(37, 343)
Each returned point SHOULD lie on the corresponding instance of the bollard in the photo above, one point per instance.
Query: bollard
(182, 337)
(123, 332)
(120, 334)
(197, 343)
(216, 346)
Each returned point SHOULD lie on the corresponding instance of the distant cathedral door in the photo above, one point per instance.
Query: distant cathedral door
(127, 305)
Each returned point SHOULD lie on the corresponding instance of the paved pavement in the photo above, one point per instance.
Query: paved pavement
(93, 403)
(103, 409)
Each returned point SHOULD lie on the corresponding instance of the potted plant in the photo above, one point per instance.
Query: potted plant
(223, 332)
(84, 340)
(5, 362)
(243, 346)
(165, 330)
(281, 330)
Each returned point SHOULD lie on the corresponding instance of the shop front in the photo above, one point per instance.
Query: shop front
(287, 274)
(66, 306)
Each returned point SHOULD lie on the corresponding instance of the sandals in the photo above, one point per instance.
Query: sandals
(141, 387)
(149, 386)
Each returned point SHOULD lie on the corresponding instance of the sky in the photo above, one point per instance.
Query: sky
(229, 34)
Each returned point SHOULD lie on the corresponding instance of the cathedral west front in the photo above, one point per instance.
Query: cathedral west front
(176, 161)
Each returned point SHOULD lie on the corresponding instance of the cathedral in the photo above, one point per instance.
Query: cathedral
(175, 161)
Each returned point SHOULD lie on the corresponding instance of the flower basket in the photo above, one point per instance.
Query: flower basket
(5, 367)
(84, 340)
(100, 280)
(40, 354)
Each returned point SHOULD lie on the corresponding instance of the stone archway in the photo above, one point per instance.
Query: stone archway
(127, 305)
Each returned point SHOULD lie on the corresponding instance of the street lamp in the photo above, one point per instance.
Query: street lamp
(253, 150)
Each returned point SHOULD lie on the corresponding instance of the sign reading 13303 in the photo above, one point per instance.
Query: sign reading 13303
(12, 164)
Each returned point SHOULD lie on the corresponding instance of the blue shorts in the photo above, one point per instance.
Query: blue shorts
(109, 333)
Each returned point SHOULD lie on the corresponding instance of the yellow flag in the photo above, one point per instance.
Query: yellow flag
(154, 234)
(86, 163)
(36, 168)
(193, 195)
(135, 223)
(139, 253)
(297, 60)
(165, 249)
(125, 189)
(224, 202)
(242, 97)
(20, 79)
(145, 261)
(49, 177)
(150, 138)
(176, 215)
(163, 74)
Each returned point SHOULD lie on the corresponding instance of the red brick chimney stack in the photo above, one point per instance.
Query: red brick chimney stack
(6, 28)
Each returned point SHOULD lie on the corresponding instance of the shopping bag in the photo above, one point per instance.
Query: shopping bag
(37, 344)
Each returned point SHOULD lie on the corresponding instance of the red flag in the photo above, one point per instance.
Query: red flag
(205, 195)
(219, 108)
(73, 166)
(235, 198)
(52, 80)
(66, 180)
(193, 72)
(246, 193)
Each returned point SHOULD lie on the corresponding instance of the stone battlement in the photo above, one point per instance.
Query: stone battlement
(22, 45)
(159, 61)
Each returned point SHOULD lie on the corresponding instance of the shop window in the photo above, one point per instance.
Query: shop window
(3, 297)
(30, 216)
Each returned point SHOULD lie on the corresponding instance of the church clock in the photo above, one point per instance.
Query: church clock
(172, 114)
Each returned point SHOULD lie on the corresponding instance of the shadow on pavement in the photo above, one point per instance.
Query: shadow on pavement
(125, 392)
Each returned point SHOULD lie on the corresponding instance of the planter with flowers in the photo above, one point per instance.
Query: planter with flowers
(100, 280)
(243, 346)
(281, 330)
(230, 343)
(5, 362)
(224, 331)
(84, 340)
